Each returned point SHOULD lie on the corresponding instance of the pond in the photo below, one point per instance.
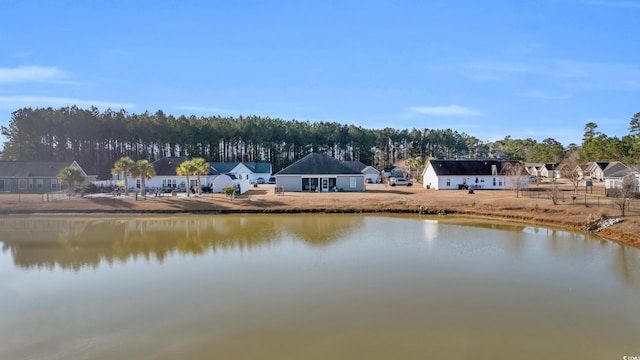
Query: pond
(312, 286)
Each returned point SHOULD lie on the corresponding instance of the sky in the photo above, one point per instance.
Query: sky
(490, 69)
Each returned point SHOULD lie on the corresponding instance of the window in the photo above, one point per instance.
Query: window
(54, 183)
(352, 182)
(494, 181)
(137, 183)
(22, 183)
(448, 181)
(39, 183)
(500, 182)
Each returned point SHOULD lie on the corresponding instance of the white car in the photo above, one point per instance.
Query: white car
(399, 182)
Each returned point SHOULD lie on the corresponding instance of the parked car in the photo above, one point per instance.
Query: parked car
(368, 181)
(399, 182)
(272, 180)
(259, 181)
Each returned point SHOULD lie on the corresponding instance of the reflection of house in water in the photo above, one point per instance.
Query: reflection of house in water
(88, 242)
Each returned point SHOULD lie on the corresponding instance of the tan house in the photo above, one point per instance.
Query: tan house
(35, 176)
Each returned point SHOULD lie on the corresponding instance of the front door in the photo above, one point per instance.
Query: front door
(325, 184)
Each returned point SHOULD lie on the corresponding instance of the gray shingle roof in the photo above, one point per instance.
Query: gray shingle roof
(24, 169)
(318, 164)
(167, 165)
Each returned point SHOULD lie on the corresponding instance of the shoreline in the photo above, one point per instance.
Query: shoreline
(489, 204)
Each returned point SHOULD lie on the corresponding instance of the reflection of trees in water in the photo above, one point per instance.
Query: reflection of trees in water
(88, 242)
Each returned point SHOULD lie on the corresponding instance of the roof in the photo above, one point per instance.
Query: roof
(466, 167)
(616, 169)
(355, 165)
(225, 167)
(24, 169)
(167, 165)
(318, 164)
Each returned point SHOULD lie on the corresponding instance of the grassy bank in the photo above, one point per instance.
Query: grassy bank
(533, 206)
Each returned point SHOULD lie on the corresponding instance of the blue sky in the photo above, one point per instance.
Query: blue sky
(535, 69)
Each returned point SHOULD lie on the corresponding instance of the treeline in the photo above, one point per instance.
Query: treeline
(97, 139)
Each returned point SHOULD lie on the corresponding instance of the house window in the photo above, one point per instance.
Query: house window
(39, 183)
(22, 183)
(169, 183)
(448, 181)
(500, 182)
(494, 181)
(30, 183)
(352, 182)
(54, 183)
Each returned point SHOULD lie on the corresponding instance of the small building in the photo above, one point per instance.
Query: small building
(36, 176)
(321, 173)
(470, 174)
(370, 173)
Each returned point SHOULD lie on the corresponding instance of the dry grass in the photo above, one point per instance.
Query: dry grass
(531, 207)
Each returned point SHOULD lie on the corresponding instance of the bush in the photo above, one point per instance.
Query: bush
(229, 190)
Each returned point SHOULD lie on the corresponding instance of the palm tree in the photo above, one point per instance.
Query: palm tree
(185, 169)
(144, 170)
(124, 167)
(202, 168)
(71, 176)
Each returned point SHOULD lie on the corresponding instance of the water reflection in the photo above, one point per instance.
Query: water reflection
(74, 243)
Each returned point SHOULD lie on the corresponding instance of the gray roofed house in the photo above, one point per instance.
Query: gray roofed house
(35, 176)
(167, 165)
(474, 174)
(320, 172)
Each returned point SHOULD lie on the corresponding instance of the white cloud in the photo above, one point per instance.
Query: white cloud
(448, 110)
(15, 102)
(31, 74)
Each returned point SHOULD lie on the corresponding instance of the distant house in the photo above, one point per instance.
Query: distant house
(35, 176)
(370, 173)
(534, 169)
(166, 176)
(550, 170)
(613, 174)
(320, 172)
(251, 171)
(219, 176)
(595, 170)
(472, 174)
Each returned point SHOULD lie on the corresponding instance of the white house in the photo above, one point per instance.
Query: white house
(472, 174)
(167, 178)
(251, 171)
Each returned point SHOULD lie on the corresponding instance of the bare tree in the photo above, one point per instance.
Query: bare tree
(517, 176)
(623, 191)
(569, 170)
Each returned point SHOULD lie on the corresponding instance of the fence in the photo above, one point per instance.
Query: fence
(16, 198)
(585, 199)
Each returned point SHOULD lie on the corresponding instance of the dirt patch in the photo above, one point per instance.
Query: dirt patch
(533, 207)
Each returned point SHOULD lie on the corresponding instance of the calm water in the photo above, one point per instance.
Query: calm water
(312, 287)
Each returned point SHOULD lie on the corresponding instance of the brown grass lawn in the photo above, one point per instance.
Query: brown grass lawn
(532, 207)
